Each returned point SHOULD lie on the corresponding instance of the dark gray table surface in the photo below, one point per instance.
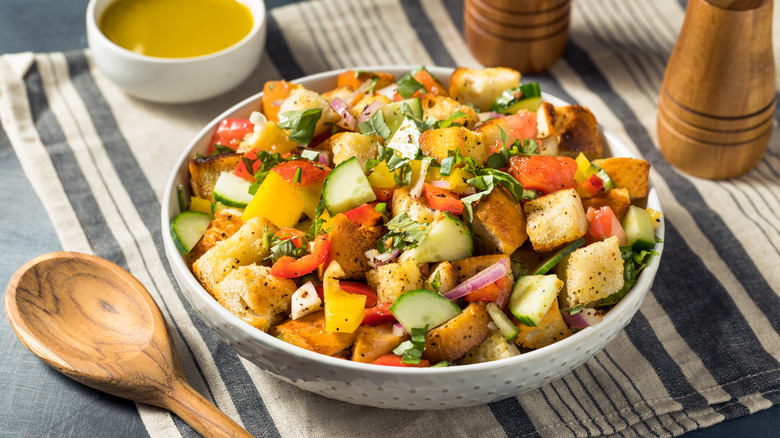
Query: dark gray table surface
(35, 400)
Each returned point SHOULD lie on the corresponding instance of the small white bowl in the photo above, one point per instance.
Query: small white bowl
(177, 80)
(386, 386)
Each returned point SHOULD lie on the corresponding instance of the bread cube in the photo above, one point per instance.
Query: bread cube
(417, 209)
(225, 223)
(481, 87)
(349, 243)
(204, 172)
(373, 342)
(574, 127)
(628, 173)
(242, 248)
(552, 328)
(302, 99)
(361, 107)
(455, 337)
(345, 145)
(254, 295)
(555, 219)
(469, 267)
(443, 107)
(392, 280)
(490, 131)
(617, 199)
(309, 333)
(448, 278)
(493, 348)
(437, 143)
(499, 223)
(591, 273)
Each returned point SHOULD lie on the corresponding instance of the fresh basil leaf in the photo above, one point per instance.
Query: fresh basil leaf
(298, 176)
(407, 85)
(403, 233)
(301, 124)
(514, 95)
(530, 147)
(220, 149)
(411, 351)
(376, 125)
(436, 282)
(450, 121)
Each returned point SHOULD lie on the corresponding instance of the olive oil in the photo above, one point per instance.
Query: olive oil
(176, 28)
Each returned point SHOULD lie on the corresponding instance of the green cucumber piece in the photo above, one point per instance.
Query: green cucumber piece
(532, 297)
(421, 307)
(346, 187)
(530, 104)
(525, 97)
(217, 206)
(187, 228)
(394, 113)
(406, 139)
(553, 259)
(447, 239)
(639, 228)
(232, 190)
(504, 324)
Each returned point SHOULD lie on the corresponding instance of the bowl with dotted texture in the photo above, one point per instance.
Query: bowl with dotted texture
(385, 386)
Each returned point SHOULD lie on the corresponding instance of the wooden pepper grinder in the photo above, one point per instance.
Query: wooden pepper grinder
(717, 99)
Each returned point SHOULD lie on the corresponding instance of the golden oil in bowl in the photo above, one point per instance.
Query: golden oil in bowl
(176, 28)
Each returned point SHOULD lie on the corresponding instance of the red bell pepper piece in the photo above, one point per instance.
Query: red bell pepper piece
(241, 170)
(442, 200)
(497, 292)
(288, 267)
(365, 215)
(593, 185)
(230, 132)
(545, 173)
(311, 172)
(394, 360)
(379, 314)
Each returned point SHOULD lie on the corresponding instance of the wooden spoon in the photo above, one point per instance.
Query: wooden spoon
(94, 322)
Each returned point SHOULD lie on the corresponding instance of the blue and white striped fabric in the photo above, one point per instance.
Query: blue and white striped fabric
(704, 347)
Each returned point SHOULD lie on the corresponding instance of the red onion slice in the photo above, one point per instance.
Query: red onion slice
(376, 258)
(342, 109)
(585, 318)
(486, 276)
(324, 158)
(369, 111)
(441, 184)
(399, 330)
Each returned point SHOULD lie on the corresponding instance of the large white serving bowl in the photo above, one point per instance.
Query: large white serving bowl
(177, 80)
(385, 386)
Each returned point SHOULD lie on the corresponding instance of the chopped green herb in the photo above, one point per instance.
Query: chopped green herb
(375, 125)
(514, 95)
(180, 195)
(407, 85)
(436, 282)
(633, 263)
(411, 351)
(298, 175)
(443, 363)
(220, 149)
(403, 233)
(301, 124)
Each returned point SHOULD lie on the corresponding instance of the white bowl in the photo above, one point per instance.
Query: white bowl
(177, 80)
(384, 386)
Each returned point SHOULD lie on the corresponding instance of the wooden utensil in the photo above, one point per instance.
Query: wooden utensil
(526, 35)
(94, 322)
(717, 100)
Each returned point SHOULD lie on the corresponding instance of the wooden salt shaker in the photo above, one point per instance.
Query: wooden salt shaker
(528, 35)
(717, 100)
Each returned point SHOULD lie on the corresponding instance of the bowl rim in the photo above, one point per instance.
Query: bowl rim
(259, 19)
(176, 260)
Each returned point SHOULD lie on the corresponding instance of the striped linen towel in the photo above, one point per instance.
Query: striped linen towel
(704, 347)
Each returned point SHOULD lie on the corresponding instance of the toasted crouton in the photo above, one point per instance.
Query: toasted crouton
(302, 99)
(469, 267)
(591, 273)
(493, 348)
(437, 143)
(345, 93)
(574, 127)
(417, 209)
(349, 243)
(354, 79)
(366, 105)
(628, 173)
(556, 219)
(345, 145)
(552, 328)
(617, 199)
(309, 333)
(443, 107)
(499, 224)
(242, 248)
(491, 130)
(455, 337)
(225, 223)
(481, 87)
(204, 172)
(446, 276)
(373, 342)
(392, 280)
(256, 296)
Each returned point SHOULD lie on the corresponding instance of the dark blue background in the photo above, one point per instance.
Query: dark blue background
(36, 400)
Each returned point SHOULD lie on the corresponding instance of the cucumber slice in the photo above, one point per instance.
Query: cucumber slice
(448, 239)
(532, 297)
(346, 187)
(504, 324)
(545, 265)
(394, 113)
(406, 139)
(530, 104)
(232, 190)
(639, 228)
(187, 228)
(525, 97)
(421, 307)
(217, 206)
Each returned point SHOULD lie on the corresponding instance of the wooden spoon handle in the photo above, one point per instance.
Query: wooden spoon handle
(201, 414)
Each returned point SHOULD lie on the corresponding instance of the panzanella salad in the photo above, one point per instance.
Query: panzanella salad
(399, 222)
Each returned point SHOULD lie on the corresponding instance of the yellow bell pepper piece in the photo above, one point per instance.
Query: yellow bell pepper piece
(343, 311)
(381, 176)
(200, 205)
(655, 217)
(457, 180)
(277, 201)
(273, 139)
(311, 197)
